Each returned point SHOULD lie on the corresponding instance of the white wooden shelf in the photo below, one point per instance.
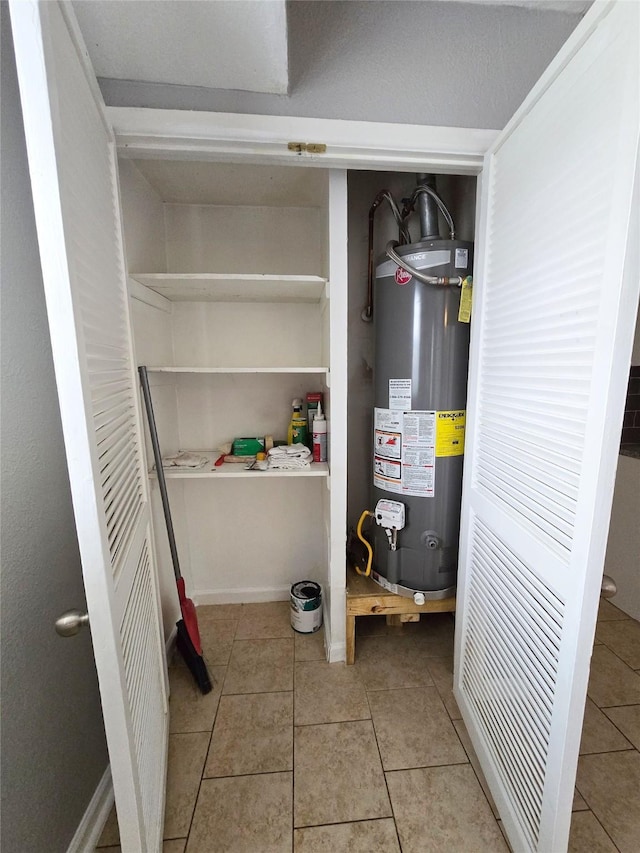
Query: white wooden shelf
(164, 369)
(234, 470)
(234, 287)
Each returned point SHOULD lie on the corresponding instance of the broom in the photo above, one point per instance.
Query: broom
(188, 637)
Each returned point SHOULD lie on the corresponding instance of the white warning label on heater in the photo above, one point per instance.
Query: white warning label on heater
(462, 259)
(404, 452)
(400, 394)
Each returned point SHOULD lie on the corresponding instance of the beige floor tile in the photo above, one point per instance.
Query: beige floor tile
(443, 808)
(578, 802)
(434, 634)
(338, 775)
(310, 646)
(388, 662)
(612, 682)
(627, 719)
(187, 753)
(608, 611)
(189, 710)
(413, 729)
(599, 734)
(110, 836)
(623, 638)
(253, 734)
(588, 836)
(243, 814)
(176, 845)
(260, 666)
(260, 609)
(268, 621)
(367, 836)
(610, 783)
(463, 734)
(441, 670)
(328, 693)
(217, 639)
(212, 612)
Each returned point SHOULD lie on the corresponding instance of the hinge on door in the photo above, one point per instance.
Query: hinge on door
(309, 147)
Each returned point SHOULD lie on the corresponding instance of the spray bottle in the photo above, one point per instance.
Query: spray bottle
(319, 436)
(298, 430)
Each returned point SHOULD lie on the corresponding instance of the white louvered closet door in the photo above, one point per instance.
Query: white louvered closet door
(555, 306)
(74, 180)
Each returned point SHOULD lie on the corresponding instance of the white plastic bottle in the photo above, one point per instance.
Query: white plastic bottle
(319, 436)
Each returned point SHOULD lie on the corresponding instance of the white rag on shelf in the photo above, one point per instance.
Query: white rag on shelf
(289, 457)
(184, 460)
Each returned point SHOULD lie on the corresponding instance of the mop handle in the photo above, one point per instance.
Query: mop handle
(146, 393)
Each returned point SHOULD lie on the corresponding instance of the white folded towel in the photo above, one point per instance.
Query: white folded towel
(184, 460)
(289, 457)
(290, 451)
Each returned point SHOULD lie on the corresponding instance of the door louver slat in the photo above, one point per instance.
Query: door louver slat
(510, 675)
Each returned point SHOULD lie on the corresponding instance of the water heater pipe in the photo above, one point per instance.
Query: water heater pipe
(383, 195)
(427, 208)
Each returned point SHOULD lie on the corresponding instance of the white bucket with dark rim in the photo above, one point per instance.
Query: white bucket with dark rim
(306, 607)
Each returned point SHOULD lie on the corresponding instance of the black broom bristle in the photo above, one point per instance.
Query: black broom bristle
(193, 660)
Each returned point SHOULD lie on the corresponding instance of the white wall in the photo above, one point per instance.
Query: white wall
(53, 745)
(437, 63)
(622, 561)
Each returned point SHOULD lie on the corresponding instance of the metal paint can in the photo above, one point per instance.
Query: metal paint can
(306, 607)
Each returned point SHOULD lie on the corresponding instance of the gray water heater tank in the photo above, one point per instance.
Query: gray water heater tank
(421, 361)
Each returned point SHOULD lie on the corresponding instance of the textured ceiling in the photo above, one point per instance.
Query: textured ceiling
(219, 45)
(574, 7)
(226, 44)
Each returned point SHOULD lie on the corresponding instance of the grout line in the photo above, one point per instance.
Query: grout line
(611, 708)
(384, 774)
(257, 693)
(344, 822)
(245, 775)
(597, 821)
(608, 751)
(331, 722)
(206, 756)
(293, 749)
(617, 705)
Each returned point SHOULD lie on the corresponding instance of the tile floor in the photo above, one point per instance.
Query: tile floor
(289, 752)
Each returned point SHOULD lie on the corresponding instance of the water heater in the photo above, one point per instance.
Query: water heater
(421, 362)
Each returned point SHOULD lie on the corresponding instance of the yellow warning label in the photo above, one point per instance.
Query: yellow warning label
(466, 298)
(450, 433)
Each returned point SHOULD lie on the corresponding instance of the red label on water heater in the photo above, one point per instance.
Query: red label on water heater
(402, 276)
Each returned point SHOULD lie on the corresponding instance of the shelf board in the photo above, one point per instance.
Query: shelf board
(236, 470)
(234, 287)
(157, 369)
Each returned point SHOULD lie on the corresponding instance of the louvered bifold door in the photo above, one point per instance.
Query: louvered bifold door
(74, 181)
(555, 301)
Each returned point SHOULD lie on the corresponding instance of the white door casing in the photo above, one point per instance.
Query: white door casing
(555, 309)
(72, 161)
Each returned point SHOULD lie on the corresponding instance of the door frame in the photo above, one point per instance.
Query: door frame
(149, 133)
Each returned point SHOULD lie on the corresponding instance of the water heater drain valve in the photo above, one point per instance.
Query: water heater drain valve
(390, 516)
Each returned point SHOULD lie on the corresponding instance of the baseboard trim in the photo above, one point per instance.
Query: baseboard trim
(337, 652)
(170, 644)
(248, 595)
(90, 827)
